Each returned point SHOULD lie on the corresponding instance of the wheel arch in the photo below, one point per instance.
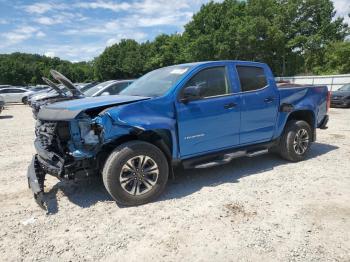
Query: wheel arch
(306, 115)
(161, 138)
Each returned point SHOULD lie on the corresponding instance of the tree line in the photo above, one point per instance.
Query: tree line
(292, 36)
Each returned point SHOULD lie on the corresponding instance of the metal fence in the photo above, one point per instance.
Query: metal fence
(334, 82)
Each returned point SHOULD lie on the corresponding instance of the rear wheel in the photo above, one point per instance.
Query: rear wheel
(135, 173)
(295, 141)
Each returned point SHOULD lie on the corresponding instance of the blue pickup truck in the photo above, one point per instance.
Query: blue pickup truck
(193, 115)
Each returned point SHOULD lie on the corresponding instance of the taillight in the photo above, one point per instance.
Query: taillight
(328, 100)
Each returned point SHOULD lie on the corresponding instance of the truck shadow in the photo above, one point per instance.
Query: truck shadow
(192, 181)
(87, 193)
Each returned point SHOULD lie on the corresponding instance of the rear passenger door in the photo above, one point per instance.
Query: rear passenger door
(259, 105)
(16, 95)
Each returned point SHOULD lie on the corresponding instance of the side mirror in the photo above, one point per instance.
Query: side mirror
(191, 93)
(105, 94)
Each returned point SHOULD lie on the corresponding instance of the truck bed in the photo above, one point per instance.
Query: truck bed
(312, 97)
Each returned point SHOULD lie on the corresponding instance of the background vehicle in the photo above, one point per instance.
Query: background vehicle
(49, 93)
(112, 87)
(14, 94)
(33, 91)
(341, 97)
(196, 115)
(85, 86)
(62, 93)
(2, 104)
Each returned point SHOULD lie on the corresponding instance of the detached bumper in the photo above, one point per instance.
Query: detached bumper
(36, 178)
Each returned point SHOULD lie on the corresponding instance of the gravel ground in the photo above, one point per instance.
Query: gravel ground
(260, 209)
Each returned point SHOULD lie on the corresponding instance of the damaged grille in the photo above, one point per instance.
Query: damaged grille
(46, 134)
(52, 136)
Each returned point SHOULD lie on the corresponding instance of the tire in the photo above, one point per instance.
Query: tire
(295, 141)
(148, 185)
(25, 100)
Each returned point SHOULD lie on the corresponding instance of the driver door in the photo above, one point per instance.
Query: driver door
(211, 122)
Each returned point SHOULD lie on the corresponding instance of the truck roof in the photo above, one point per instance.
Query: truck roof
(219, 61)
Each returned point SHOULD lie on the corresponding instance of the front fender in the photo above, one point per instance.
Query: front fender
(142, 116)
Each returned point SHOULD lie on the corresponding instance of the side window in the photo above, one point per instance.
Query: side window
(214, 81)
(117, 88)
(15, 91)
(251, 78)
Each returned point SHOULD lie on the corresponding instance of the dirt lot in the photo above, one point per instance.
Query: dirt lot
(260, 209)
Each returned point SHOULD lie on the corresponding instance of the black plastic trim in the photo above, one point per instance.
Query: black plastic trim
(191, 162)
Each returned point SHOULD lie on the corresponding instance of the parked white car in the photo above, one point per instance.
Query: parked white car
(14, 94)
(111, 87)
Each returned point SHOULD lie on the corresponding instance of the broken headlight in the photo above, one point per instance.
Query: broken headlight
(87, 134)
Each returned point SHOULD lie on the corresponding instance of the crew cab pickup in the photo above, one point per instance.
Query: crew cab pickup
(193, 115)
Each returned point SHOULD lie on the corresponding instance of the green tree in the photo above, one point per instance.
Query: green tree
(121, 60)
(165, 50)
(291, 36)
(26, 69)
(309, 26)
(336, 59)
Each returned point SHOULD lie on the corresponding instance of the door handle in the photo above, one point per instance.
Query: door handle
(269, 99)
(230, 105)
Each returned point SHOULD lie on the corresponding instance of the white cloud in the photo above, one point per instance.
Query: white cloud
(105, 5)
(3, 22)
(75, 52)
(19, 34)
(160, 7)
(41, 8)
(343, 9)
(38, 8)
(40, 34)
(47, 21)
(112, 41)
(49, 54)
(173, 19)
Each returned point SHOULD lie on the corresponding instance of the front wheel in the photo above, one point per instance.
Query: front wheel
(135, 173)
(295, 141)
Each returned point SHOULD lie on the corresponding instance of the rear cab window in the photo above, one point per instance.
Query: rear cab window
(251, 78)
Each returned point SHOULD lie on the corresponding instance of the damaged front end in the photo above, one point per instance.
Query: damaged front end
(74, 137)
(66, 150)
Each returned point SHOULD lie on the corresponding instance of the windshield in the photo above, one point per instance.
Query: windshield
(345, 88)
(156, 83)
(97, 88)
(52, 91)
(85, 87)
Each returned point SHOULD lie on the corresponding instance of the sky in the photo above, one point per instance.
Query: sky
(79, 30)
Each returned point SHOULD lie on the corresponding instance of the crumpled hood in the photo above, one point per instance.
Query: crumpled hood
(68, 110)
